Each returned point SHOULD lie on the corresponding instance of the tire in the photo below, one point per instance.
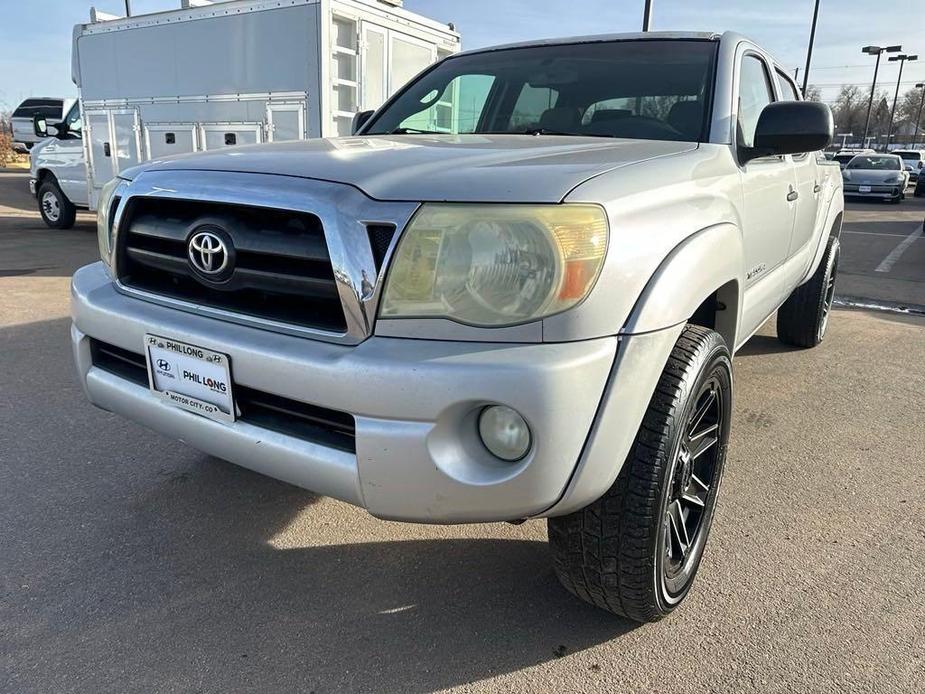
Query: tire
(804, 317)
(616, 553)
(57, 211)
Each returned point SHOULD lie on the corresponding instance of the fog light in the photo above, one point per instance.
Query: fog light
(504, 432)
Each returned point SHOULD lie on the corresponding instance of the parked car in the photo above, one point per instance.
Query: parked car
(913, 161)
(532, 315)
(880, 176)
(846, 155)
(306, 73)
(50, 108)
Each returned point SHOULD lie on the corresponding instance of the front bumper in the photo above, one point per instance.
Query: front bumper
(890, 192)
(414, 402)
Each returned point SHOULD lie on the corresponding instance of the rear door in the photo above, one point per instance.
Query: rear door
(808, 181)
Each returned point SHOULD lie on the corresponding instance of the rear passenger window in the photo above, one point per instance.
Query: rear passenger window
(787, 91)
(46, 108)
(754, 94)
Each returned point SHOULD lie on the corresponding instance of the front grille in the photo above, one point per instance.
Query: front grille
(320, 425)
(282, 269)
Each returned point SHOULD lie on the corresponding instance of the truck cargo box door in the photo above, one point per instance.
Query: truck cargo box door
(286, 121)
(164, 139)
(102, 168)
(217, 135)
(126, 139)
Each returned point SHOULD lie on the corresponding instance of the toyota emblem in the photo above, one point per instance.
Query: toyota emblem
(208, 253)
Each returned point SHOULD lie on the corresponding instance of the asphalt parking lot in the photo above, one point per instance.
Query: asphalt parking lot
(129, 562)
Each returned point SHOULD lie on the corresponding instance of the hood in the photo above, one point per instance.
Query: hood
(431, 168)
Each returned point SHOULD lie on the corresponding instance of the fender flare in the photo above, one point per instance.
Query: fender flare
(709, 260)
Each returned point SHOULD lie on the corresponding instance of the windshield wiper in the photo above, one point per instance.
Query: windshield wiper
(414, 131)
(549, 131)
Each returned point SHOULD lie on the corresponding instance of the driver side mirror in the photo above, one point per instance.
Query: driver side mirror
(792, 127)
(42, 129)
(359, 120)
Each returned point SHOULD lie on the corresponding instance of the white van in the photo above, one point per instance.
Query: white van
(306, 68)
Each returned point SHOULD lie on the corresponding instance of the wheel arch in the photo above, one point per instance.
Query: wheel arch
(700, 281)
(43, 175)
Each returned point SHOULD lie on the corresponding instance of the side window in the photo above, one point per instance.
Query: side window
(754, 94)
(457, 109)
(74, 122)
(787, 91)
(530, 105)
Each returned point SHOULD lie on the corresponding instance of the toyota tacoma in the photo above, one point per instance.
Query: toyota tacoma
(515, 292)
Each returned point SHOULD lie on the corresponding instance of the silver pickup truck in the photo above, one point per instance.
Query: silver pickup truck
(514, 293)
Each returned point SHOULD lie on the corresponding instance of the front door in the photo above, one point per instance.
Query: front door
(768, 184)
(769, 195)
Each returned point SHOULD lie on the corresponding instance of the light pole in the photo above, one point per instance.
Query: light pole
(901, 58)
(647, 16)
(875, 50)
(918, 119)
(809, 50)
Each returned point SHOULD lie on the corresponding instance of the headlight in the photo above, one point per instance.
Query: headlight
(495, 265)
(103, 221)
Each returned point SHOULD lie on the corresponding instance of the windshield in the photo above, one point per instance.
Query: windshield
(875, 163)
(909, 156)
(844, 158)
(644, 89)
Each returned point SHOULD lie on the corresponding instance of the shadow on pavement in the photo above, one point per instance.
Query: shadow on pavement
(134, 563)
(760, 345)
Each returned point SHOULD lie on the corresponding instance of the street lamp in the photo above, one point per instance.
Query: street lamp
(915, 130)
(875, 50)
(901, 58)
(809, 50)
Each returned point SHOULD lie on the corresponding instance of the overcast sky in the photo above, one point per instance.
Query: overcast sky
(35, 35)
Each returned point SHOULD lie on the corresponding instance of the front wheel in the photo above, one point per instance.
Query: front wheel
(635, 551)
(57, 211)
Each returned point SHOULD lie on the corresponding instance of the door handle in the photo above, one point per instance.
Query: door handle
(817, 188)
(792, 195)
(106, 149)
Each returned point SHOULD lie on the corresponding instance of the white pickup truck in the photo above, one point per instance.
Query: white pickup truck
(514, 293)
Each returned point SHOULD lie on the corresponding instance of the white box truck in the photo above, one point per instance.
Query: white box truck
(223, 74)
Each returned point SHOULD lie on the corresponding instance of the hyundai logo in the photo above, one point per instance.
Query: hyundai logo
(163, 365)
(208, 253)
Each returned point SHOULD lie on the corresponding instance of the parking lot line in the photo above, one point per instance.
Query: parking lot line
(874, 233)
(887, 263)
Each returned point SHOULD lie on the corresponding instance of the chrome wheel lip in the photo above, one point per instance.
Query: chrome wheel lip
(51, 206)
(676, 575)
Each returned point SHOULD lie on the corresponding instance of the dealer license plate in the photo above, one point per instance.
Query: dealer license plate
(863, 189)
(190, 377)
